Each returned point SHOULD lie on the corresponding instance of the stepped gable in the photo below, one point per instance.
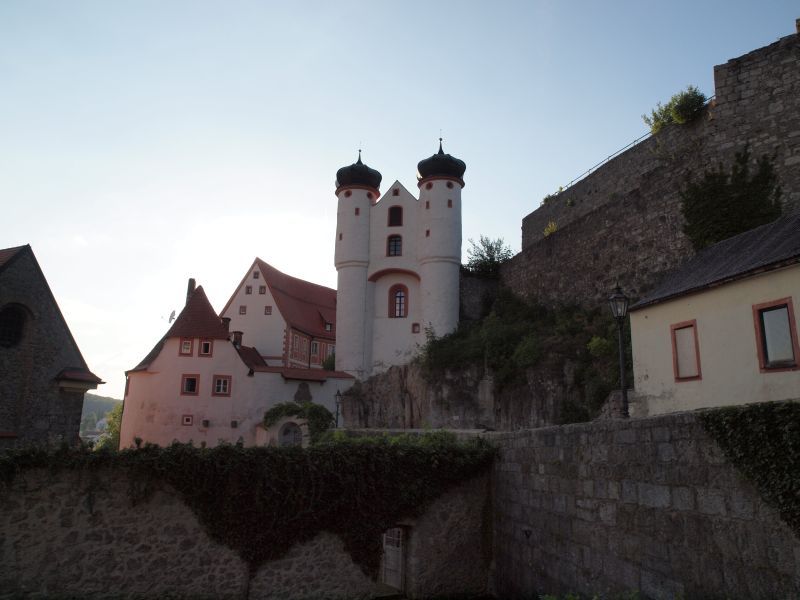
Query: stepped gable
(764, 248)
(305, 306)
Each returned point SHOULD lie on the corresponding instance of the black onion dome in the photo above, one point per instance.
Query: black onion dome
(358, 174)
(441, 164)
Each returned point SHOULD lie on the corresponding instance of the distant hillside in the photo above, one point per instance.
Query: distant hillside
(95, 408)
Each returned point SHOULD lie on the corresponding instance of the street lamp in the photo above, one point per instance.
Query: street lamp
(619, 308)
(338, 398)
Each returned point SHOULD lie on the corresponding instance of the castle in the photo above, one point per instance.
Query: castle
(397, 259)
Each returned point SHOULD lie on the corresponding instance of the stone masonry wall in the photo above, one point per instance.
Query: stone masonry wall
(648, 505)
(69, 533)
(623, 222)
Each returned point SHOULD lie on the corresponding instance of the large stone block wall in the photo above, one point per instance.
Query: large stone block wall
(623, 221)
(76, 534)
(650, 505)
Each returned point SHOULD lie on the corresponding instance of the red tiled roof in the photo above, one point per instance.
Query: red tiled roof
(6, 254)
(251, 357)
(79, 375)
(198, 319)
(305, 306)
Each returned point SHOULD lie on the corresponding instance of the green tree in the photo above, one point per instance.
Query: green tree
(110, 439)
(681, 108)
(722, 205)
(485, 257)
(318, 417)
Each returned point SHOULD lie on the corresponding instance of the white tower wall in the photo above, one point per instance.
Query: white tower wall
(351, 258)
(439, 252)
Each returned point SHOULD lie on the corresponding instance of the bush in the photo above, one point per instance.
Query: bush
(681, 108)
(485, 257)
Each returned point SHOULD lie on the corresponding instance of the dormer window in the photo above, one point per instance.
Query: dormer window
(395, 216)
(328, 326)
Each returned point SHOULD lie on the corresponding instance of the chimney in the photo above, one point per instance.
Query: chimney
(190, 289)
(226, 322)
(237, 339)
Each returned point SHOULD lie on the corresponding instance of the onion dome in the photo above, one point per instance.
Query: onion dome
(441, 165)
(358, 174)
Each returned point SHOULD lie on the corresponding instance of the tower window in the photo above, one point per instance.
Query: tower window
(428, 185)
(348, 193)
(340, 237)
(398, 302)
(395, 216)
(450, 185)
(427, 233)
(358, 211)
(394, 246)
(449, 203)
(427, 204)
(369, 195)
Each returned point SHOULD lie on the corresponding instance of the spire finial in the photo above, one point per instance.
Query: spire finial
(358, 162)
(440, 144)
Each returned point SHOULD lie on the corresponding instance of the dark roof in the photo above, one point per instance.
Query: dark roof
(358, 174)
(251, 357)
(304, 305)
(304, 374)
(765, 248)
(78, 374)
(198, 319)
(7, 254)
(441, 165)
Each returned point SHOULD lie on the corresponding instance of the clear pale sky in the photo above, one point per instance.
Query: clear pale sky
(146, 142)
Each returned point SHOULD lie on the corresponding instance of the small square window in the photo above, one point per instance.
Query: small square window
(187, 420)
(415, 328)
(189, 385)
(248, 289)
(206, 347)
(358, 211)
(222, 385)
(328, 326)
(242, 310)
(187, 347)
(449, 203)
(255, 275)
(396, 192)
(268, 310)
(262, 289)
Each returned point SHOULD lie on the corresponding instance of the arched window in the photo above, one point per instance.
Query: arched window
(290, 435)
(12, 325)
(395, 216)
(394, 246)
(398, 302)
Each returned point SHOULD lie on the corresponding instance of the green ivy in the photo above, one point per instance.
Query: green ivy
(763, 443)
(261, 501)
(318, 417)
(682, 108)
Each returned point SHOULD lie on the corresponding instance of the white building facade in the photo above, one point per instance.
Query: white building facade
(398, 259)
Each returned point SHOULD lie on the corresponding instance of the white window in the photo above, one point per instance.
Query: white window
(776, 334)
(685, 351)
(186, 346)
(222, 385)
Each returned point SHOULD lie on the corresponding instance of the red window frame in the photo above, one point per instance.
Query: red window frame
(763, 365)
(672, 329)
(217, 378)
(191, 347)
(196, 377)
(393, 304)
(242, 309)
(210, 343)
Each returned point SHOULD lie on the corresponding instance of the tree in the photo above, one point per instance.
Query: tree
(318, 417)
(110, 439)
(720, 205)
(681, 108)
(485, 257)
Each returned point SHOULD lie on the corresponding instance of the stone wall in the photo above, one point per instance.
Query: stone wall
(623, 221)
(649, 505)
(72, 533)
(33, 409)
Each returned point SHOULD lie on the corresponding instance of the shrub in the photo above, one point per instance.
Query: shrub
(550, 229)
(681, 108)
(485, 257)
(329, 364)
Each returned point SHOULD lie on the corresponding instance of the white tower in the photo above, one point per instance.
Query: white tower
(357, 190)
(439, 239)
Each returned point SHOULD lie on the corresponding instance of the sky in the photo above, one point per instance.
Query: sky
(145, 142)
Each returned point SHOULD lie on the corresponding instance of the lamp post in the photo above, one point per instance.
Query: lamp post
(618, 302)
(338, 398)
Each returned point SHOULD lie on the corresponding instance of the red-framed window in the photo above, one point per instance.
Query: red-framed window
(315, 353)
(395, 216)
(685, 351)
(187, 420)
(206, 348)
(394, 245)
(776, 336)
(190, 384)
(187, 347)
(398, 301)
(243, 310)
(221, 385)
